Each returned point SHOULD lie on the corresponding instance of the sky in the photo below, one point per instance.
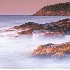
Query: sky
(25, 7)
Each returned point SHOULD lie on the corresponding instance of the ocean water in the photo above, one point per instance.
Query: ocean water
(15, 52)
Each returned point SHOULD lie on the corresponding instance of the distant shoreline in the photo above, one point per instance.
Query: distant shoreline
(24, 15)
(59, 9)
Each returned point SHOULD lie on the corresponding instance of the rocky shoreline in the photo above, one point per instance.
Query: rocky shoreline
(60, 27)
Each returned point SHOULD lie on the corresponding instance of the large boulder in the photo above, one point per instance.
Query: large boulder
(53, 49)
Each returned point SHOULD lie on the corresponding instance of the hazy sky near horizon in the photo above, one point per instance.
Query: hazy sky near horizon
(24, 7)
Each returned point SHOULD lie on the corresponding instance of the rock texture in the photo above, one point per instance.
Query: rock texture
(26, 32)
(51, 34)
(60, 27)
(61, 9)
(53, 49)
(30, 25)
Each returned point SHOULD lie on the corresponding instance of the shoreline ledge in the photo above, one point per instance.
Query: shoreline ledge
(56, 29)
(60, 27)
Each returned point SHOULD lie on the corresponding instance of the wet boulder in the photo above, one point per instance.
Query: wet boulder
(54, 49)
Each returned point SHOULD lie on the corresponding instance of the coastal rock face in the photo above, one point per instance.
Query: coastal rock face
(53, 49)
(60, 27)
(61, 9)
(31, 25)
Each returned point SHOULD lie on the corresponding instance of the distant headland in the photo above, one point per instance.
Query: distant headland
(60, 9)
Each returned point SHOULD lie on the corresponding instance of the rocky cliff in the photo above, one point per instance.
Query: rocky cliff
(61, 9)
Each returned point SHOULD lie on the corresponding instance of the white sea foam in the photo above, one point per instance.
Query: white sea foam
(13, 52)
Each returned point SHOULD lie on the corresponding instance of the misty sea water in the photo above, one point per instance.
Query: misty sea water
(15, 52)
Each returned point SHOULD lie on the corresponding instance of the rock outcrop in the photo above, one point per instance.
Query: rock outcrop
(31, 25)
(26, 32)
(61, 9)
(54, 34)
(60, 27)
(53, 49)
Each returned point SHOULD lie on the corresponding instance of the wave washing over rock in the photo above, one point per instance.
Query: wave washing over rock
(33, 45)
(54, 29)
(60, 27)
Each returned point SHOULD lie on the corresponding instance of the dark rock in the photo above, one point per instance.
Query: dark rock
(32, 25)
(60, 27)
